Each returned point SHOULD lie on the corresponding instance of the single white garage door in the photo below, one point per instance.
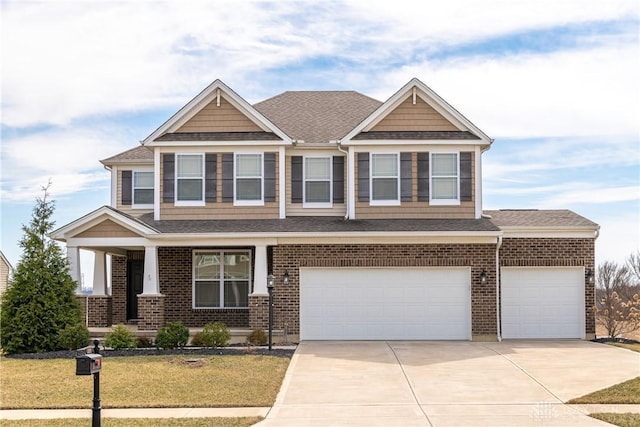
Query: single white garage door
(542, 302)
(385, 304)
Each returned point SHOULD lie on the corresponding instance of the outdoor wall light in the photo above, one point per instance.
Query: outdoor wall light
(483, 277)
(285, 278)
(271, 281)
(589, 276)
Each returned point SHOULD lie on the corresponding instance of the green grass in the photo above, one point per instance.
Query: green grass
(144, 382)
(138, 422)
(622, 420)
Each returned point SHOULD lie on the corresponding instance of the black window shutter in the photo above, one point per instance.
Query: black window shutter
(363, 177)
(210, 176)
(423, 177)
(405, 177)
(168, 182)
(296, 179)
(269, 177)
(465, 177)
(127, 188)
(227, 177)
(338, 179)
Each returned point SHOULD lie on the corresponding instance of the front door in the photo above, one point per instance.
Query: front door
(135, 275)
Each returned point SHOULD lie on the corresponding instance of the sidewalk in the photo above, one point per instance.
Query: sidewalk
(32, 414)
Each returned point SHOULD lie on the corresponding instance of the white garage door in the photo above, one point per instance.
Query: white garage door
(385, 304)
(542, 302)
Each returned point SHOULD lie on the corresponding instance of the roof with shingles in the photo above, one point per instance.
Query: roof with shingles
(414, 135)
(317, 116)
(318, 225)
(529, 218)
(136, 154)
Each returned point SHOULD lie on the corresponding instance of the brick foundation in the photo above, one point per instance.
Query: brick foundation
(259, 312)
(100, 315)
(151, 312)
(119, 289)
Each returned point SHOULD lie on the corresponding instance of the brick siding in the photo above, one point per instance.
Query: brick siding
(174, 274)
(99, 311)
(119, 289)
(151, 312)
(547, 252)
(479, 257)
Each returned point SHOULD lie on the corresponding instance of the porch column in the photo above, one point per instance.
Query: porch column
(150, 281)
(73, 255)
(260, 273)
(99, 273)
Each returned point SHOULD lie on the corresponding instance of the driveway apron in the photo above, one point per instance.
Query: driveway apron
(426, 383)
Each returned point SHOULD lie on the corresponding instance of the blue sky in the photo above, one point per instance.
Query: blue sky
(554, 82)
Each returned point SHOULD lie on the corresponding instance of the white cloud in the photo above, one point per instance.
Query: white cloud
(64, 60)
(619, 236)
(67, 157)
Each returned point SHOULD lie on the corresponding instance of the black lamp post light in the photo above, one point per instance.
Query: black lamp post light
(270, 284)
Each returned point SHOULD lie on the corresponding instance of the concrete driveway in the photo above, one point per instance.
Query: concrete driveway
(397, 383)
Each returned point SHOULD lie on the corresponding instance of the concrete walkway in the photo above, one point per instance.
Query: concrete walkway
(447, 383)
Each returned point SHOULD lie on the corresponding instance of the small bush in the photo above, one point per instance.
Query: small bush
(74, 336)
(257, 337)
(215, 335)
(144, 342)
(173, 335)
(197, 341)
(120, 337)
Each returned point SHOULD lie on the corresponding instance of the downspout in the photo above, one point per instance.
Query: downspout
(498, 308)
(346, 156)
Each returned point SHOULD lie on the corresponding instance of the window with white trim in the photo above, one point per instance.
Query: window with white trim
(221, 279)
(445, 179)
(190, 179)
(248, 179)
(142, 189)
(317, 182)
(385, 178)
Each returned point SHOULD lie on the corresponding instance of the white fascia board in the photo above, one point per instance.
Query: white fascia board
(109, 242)
(550, 232)
(91, 219)
(431, 98)
(414, 142)
(218, 143)
(348, 237)
(202, 99)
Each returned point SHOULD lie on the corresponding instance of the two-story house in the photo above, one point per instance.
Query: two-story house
(369, 215)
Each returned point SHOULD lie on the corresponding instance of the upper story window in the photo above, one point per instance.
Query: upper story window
(385, 179)
(317, 182)
(445, 178)
(142, 189)
(221, 279)
(190, 179)
(248, 179)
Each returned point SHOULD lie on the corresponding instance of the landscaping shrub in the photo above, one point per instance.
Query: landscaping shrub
(121, 337)
(173, 335)
(215, 335)
(257, 337)
(74, 336)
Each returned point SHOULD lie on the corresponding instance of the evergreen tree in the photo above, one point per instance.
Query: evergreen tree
(40, 300)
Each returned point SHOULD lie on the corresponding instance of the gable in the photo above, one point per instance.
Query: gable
(222, 117)
(410, 116)
(107, 228)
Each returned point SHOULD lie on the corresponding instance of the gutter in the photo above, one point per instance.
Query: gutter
(498, 290)
(346, 156)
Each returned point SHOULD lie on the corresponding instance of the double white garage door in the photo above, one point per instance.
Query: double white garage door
(435, 303)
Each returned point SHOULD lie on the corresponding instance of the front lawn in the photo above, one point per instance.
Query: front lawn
(621, 420)
(626, 392)
(144, 382)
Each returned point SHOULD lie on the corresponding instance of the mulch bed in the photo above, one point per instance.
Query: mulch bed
(184, 351)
